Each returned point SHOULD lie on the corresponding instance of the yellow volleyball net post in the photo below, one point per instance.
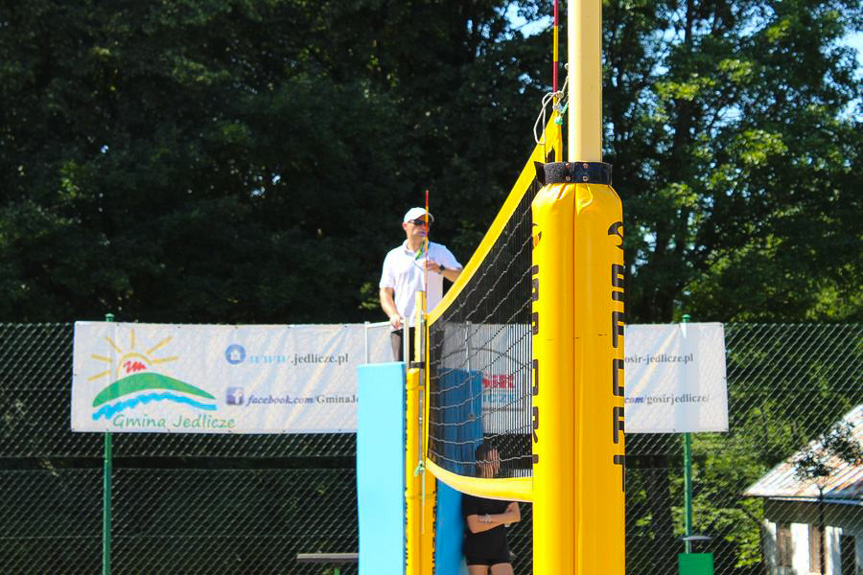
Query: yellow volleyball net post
(577, 320)
(577, 375)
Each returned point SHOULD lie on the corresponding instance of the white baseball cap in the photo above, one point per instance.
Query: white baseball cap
(417, 213)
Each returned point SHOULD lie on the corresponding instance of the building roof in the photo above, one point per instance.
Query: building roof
(844, 485)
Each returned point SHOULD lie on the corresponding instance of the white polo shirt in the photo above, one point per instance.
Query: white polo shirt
(405, 274)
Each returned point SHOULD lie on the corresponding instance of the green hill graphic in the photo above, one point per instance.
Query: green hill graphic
(146, 381)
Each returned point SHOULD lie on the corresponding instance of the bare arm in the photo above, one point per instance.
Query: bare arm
(480, 523)
(388, 304)
(515, 512)
(448, 273)
(452, 275)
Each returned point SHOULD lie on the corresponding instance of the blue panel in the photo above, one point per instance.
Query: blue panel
(449, 532)
(459, 414)
(381, 468)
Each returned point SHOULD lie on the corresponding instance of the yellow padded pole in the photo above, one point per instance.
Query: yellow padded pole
(577, 320)
(413, 488)
(419, 485)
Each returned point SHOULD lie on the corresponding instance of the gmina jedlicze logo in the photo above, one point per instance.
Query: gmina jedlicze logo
(135, 381)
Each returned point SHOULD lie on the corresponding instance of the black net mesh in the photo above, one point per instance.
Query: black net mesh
(480, 358)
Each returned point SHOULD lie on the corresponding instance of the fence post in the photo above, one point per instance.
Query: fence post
(106, 495)
(366, 348)
(687, 476)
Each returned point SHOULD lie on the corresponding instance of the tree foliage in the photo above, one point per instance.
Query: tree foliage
(735, 153)
(238, 161)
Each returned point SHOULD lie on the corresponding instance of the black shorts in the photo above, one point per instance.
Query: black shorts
(471, 560)
(397, 343)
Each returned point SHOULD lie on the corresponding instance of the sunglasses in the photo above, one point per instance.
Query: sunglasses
(419, 222)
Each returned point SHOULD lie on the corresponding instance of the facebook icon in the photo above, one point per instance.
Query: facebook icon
(235, 396)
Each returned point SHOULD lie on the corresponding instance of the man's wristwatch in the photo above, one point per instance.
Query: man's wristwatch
(441, 269)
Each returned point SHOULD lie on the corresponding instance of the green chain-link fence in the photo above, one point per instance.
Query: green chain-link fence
(205, 504)
(787, 385)
(248, 504)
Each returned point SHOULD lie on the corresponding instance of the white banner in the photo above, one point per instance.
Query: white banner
(675, 378)
(164, 378)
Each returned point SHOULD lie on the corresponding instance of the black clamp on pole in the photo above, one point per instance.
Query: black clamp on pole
(573, 173)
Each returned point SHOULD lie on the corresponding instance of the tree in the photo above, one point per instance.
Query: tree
(734, 155)
(238, 161)
(241, 161)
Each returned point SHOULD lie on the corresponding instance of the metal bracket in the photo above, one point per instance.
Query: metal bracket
(573, 173)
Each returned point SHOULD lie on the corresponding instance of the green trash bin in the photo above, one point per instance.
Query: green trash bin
(695, 564)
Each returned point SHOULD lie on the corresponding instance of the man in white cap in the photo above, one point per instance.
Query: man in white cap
(404, 274)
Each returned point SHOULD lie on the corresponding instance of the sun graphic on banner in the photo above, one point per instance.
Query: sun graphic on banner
(131, 361)
(134, 380)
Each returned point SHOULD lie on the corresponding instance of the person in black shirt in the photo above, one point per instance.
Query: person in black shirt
(485, 545)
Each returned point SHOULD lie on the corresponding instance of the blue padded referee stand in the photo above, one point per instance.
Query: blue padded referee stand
(381, 468)
(449, 530)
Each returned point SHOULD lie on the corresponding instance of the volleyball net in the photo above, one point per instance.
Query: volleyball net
(525, 355)
(480, 353)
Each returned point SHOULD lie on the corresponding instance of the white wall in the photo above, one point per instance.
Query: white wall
(770, 546)
(800, 546)
(839, 519)
(800, 541)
